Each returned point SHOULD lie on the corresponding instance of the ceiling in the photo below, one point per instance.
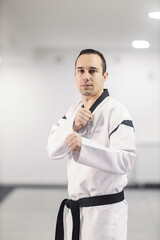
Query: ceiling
(110, 24)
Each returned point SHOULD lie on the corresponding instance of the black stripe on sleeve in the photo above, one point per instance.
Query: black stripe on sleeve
(125, 122)
(64, 117)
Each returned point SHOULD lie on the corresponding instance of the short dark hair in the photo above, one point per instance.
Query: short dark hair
(92, 51)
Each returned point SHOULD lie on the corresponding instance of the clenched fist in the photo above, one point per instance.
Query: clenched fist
(74, 142)
(82, 118)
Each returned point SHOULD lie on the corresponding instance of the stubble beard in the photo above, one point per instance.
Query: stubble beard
(87, 92)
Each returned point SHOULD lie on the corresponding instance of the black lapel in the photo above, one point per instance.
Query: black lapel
(99, 100)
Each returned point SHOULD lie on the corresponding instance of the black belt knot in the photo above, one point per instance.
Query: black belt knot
(71, 203)
(75, 211)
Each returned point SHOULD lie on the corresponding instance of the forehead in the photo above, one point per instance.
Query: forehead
(89, 60)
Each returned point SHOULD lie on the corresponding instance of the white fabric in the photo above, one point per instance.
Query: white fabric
(100, 168)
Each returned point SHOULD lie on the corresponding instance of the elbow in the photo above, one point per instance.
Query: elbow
(51, 152)
(53, 155)
(57, 153)
(50, 155)
(129, 160)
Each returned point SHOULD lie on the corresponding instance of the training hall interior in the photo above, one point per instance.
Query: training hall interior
(39, 42)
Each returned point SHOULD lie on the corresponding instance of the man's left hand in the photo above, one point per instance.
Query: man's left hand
(74, 142)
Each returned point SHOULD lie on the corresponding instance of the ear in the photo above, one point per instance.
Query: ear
(105, 75)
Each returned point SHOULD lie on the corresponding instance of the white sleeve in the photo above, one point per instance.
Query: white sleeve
(56, 147)
(118, 158)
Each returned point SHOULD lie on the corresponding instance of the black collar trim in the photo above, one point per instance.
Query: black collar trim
(99, 100)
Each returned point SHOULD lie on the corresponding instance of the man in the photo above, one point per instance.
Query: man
(98, 138)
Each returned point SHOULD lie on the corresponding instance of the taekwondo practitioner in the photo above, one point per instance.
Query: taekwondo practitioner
(97, 137)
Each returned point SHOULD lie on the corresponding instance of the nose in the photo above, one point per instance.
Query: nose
(85, 76)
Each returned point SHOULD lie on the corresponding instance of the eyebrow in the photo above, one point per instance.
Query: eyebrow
(89, 68)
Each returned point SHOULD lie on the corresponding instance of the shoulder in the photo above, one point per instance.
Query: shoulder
(117, 114)
(117, 109)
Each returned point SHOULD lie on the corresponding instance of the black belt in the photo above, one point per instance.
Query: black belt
(82, 202)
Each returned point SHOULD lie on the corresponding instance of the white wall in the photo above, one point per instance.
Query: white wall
(37, 88)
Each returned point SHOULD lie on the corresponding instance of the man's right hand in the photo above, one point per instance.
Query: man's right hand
(82, 118)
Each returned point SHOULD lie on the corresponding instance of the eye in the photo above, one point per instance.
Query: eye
(80, 70)
(92, 71)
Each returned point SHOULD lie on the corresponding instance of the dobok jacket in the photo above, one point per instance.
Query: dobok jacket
(107, 153)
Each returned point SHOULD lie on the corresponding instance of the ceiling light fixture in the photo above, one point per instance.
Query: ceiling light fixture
(140, 44)
(155, 15)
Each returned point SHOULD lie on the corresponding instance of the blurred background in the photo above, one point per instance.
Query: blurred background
(39, 42)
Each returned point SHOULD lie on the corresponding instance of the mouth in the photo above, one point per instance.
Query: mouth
(86, 85)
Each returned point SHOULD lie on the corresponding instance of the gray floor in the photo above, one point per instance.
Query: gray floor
(30, 214)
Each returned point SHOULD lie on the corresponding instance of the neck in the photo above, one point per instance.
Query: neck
(88, 101)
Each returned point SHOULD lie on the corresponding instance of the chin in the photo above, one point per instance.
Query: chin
(86, 92)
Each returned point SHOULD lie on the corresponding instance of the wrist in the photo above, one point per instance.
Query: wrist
(74, 127)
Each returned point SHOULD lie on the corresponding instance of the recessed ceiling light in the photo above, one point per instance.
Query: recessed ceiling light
(140, 44)
(155, 15)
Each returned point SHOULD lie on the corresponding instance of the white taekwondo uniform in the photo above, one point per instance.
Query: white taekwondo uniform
(107, 155)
